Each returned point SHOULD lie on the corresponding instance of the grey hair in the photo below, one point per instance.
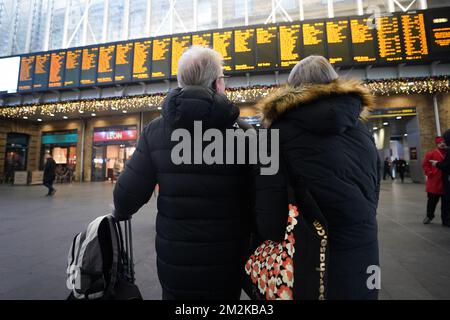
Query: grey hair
(312, 70)
(199, 66)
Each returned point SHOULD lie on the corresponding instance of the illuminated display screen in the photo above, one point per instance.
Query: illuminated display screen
(438, 22)
(89, 66)
(202, 39)
(223, 43)
(73, 66)
(142, 60)
(267, 47)
(338, 41)
(26, 73)
(289, 45)
(106, 61)
(363, 41)
(41, 71)
(161, 58)
(179, 44)
(124, 56)
(56, 75)
(414, 36)
(314, 38)
(389, 39)
(244, 49)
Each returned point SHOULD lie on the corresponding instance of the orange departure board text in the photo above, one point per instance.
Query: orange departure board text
(202, 39)
(222, 43)
(142, 60)
(57, 63)
(438, 24)
(124, 56)
(89, 66)
(338, 40)
(314, 38)
(73, 65)
(26, 73)
(161, 58)
(244, 49)
(389, 40)
(267, 47)
(106, 59)
(363, 41)
(289, 45)
(41, 71)
(414, 36)
(179, 45)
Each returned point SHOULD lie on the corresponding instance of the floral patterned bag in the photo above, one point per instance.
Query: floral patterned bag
(294, 268)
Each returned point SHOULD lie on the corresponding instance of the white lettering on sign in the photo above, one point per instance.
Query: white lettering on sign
(114, 135)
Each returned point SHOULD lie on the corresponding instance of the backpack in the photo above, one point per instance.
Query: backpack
(98, 266)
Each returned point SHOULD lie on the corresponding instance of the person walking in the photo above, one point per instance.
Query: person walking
(444, 166)
(204, 215)
(387, 169)
(401, 168)
(327, 150)
(50, 175)
(434, 183)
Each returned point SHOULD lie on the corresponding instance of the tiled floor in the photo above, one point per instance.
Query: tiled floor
(36, 233)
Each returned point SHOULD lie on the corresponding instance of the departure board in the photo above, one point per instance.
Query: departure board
(363, 41)
(267, 47)
(41, 71)
(124, 57)
(389, 39)
(161, 58)
(314, 38)
(72, 70)
(438, 23)
(223, 43)
(26, 73)
(179, 44)
(244, 49)
(338, 41)
(106, 61)
(56, 75)
(89, 66)
(202, 39)
(289, 45)
(414, 36)
(142, 60)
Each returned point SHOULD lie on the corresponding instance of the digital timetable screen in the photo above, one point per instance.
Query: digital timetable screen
(41, 71)
(89, 66)
(56, 75)
(413, 37)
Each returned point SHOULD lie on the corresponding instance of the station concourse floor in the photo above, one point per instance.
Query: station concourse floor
(36, 233)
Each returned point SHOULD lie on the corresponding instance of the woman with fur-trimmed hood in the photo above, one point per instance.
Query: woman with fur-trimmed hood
(326, 149)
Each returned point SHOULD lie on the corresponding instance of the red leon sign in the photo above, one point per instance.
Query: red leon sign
(118, 135)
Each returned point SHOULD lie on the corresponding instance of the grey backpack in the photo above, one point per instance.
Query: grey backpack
(99, 266)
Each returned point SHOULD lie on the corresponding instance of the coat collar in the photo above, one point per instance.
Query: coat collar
(287, 98)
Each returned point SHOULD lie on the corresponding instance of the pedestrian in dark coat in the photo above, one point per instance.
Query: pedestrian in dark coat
(327, 150)
(50, 175)
(444, 166)
(387, 169)
(203, 219)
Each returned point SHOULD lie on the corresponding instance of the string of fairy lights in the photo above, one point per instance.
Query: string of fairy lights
(429, 85)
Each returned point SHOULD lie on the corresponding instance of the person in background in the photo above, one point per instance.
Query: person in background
(444, 166)
(434, 183)
(394, 168)
(401, 168)
(387, 169)
(50, 175)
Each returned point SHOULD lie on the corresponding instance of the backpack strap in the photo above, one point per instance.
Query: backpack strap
(116, 249)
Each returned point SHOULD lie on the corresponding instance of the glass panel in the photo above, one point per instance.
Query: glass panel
(258, 11)
(233, 13)
(76, 13)
(438, 3)
(345, 8)
(6, 20)
(406, 5)
(115, 26)
(315, 9)
(60, 155)
(95, 22)
(184, 9)
(207, 14)
(98, 163)
(138, 16)
(158, 12)
(57, 25)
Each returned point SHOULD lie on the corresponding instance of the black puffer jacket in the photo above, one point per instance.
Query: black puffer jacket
(203, 215)
(327, 149)
(445, 167)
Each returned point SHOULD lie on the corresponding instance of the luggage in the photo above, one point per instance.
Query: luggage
(100, 262)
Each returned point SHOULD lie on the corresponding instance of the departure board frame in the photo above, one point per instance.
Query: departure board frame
(442, 55)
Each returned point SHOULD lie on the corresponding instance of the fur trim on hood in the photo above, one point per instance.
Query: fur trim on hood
(287, 97)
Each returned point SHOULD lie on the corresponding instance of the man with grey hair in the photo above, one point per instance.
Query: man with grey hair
(203, 219)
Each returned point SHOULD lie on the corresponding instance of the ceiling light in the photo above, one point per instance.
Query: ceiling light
(405, 135)
(39, 120)
(93, 114)
(25, 117)
(375, 128)
(385, 123)
(159, 108)
(80, 111)
(398, 118)
(124, 111)
(65, 117)
(52, 115)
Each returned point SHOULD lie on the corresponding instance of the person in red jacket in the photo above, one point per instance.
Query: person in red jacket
(434, 184)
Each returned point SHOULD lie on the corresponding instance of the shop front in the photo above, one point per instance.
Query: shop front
(112, 147)
(16, 154)
(62, 146)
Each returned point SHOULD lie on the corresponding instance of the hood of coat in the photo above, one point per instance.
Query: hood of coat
(183, 106)
(324, 108)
